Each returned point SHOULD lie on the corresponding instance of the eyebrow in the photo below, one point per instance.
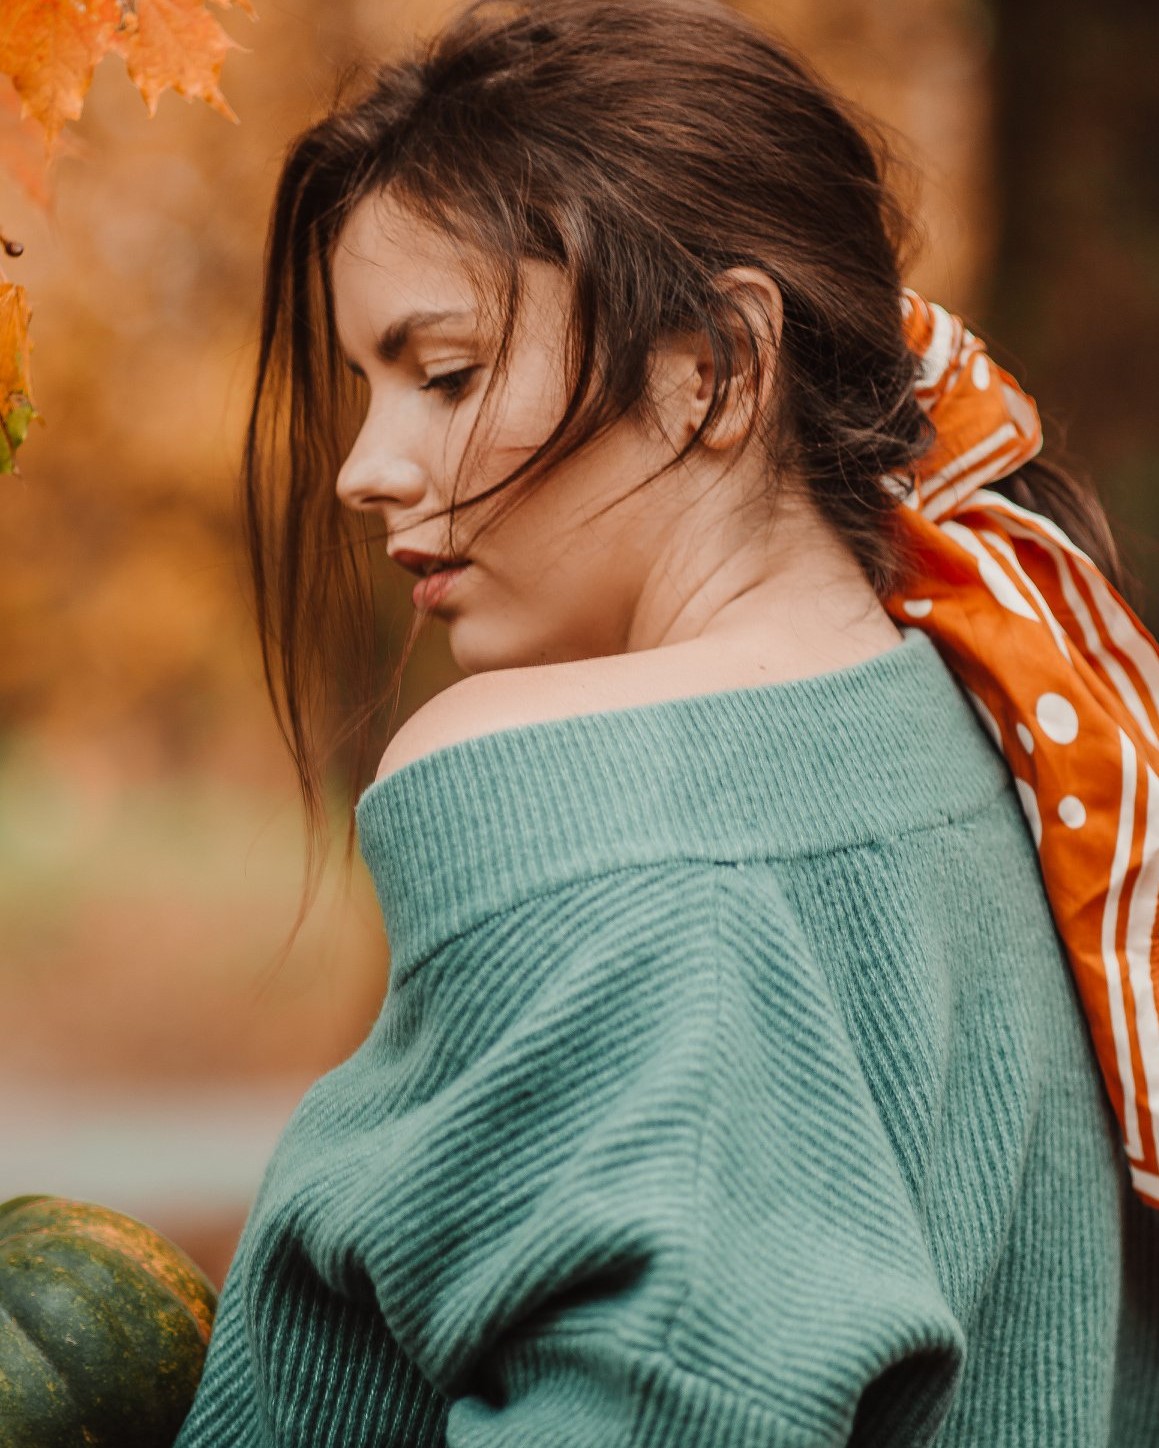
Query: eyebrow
(393, 339)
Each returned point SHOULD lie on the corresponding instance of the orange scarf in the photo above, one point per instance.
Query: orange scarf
(1066, 680)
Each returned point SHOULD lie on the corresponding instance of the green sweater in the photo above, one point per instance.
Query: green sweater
(730, 1091)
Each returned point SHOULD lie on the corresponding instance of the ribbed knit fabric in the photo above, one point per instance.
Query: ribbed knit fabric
(730, 1091)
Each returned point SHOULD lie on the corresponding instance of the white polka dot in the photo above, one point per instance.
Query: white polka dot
(986, 717)
(998, 581)
(1072, 812)
(1029, 809)
(918, 607)
(1025, 737)
(1057, 718)
(980, 373)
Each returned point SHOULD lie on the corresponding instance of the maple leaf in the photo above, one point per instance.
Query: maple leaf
(177, 44)
(22, 149)
(50, 48)
(16, 406)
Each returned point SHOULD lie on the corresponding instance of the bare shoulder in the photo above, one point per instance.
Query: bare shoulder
(488, 702)
(509, 698)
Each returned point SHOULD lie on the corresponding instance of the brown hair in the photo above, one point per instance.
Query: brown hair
(643, 146)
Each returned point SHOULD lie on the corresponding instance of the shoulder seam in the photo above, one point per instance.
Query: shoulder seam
(713, 866)
(695, 864)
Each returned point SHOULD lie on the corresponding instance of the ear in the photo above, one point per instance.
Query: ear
(753, 312)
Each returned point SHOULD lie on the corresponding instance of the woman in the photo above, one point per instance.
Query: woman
(750, 1066)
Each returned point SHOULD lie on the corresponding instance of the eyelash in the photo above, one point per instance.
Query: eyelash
(450, 385)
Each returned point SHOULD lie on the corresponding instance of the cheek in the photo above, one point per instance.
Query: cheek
(523, 415)
(555, 542)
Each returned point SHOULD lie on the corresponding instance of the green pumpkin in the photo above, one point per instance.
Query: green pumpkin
(104, 1325)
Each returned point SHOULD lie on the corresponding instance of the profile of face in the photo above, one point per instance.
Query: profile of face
(551, 581)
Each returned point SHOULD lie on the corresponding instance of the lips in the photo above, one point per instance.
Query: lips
(424, 564)
(430, 594)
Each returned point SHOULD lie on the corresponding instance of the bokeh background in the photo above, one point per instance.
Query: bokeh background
(153, 1039)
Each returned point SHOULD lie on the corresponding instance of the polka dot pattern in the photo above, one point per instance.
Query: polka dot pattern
(918, 607)
(1076, 718)
(1072, 812)
(1057, 718)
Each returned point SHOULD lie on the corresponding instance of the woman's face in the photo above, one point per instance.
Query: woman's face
(552, 581)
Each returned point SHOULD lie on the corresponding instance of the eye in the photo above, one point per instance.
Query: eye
(450, 384)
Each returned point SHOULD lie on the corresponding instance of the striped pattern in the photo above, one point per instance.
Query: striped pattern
(1065, 678)
(730, 1092)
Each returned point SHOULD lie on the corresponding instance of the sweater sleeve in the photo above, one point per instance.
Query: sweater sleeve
(643, 1196)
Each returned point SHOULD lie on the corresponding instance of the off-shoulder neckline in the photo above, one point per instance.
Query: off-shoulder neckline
(851, 757)
(706, 699)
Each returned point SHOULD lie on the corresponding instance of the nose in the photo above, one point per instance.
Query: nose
(376, 474)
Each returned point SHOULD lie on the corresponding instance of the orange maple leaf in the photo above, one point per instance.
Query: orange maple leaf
(50, 48)
(178, 44)
(14, 343)
(16, 407)
(22, 150)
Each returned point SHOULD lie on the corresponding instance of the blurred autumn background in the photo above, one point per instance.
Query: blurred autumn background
(151, 844)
